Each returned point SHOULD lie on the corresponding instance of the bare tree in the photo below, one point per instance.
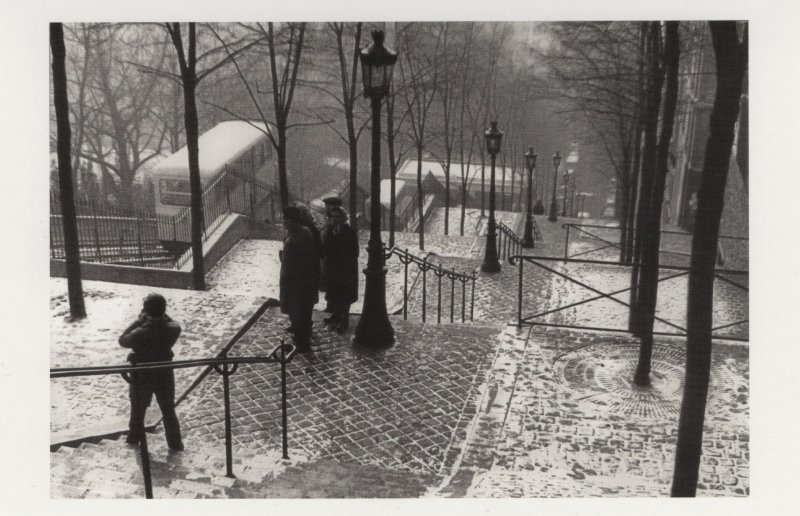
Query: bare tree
(419, 74)
(124, 101)
(731, 60)
(284, 48)
(68, 216)
(651, 237)
(343, 91)
(189, 78)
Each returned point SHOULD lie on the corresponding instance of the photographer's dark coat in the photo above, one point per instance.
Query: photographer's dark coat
(340, 264)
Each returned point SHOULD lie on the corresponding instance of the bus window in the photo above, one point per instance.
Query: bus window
(175, 192)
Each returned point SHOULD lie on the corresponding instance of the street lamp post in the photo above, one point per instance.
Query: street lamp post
(566, 193)
(490, 263)
(374, 329)
(553, 206)
(530, 163)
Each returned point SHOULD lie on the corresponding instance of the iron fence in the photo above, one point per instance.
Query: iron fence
(675, 245)
(109, 234)
(678, 271)
(424, 266)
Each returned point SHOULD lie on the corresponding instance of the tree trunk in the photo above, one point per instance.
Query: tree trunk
(282, 176)
(420, 200)
(650, 253)
(351, 134)
(642, 232)
(731, 57)
(63, 143)
(447, 194)
(195, 185)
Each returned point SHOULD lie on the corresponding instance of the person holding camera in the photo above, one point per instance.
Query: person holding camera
(150, 338)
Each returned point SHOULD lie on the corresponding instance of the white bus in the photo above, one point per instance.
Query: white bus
(236, 168)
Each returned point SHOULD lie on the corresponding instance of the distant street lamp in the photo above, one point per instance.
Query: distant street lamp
(374, 329)
(530, 163)
(553, 206)
(565, 199)
(493, 138)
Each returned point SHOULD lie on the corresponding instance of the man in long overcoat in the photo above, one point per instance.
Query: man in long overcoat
(340, 261)
(298, 286)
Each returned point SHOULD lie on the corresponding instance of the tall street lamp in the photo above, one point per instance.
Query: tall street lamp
(490, 263)
(530, 163)
(553, 206)
(374, 329)
(566, 193)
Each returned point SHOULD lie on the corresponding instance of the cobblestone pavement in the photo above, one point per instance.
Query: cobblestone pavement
(86, 405)
(475, 410)
(399, 408)
(559, 416)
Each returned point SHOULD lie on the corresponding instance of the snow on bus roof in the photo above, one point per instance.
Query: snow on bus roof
(219, 145)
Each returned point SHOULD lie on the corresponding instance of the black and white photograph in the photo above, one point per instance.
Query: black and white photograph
(432, 256)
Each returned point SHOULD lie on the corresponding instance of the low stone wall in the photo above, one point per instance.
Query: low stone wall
(167, 278)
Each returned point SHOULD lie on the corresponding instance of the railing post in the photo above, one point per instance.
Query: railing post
(96, 233)
(566, 243)
(439, 294)
(145, 454)
(472, 301)
(139, 238)
(519, 295)
(424, 287)
(452, 276)
(228, 437)
(283, 402)
(463, 299)
(405, 285)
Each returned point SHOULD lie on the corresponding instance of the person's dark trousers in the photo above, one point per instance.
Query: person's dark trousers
(301, 321)
(341, 313)
(143, 385)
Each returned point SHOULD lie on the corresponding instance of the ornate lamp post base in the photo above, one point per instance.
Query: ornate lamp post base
(374, 329)
(553, 209)
(490, 261)
(527, 238)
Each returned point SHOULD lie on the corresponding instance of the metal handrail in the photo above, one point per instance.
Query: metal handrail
(217, 203)
(680, 271)
(508, 242)
(225, 366)
(407, 258)
(222, 364)
(580, 227)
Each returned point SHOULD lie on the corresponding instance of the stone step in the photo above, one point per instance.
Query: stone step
(110, 469)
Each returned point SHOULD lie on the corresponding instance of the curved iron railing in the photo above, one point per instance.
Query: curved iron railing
(508, 242)
(424, 266)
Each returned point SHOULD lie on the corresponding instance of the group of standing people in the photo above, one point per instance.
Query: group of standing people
(314, 262)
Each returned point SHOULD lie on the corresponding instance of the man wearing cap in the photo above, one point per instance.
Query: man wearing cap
(150, 338)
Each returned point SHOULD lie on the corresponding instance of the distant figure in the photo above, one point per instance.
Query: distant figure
(298, 285)
(330, 203)
(150, 338)
(340, 266)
